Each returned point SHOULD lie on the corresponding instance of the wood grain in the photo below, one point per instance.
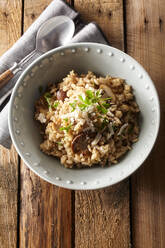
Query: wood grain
(32, 9)
(46, 210)
(8, 197)
(102, 216)
(108, 14)
(65, 225)
(10, 31)
(10, 23)
(5, 77)
(38, 216)
(146, 42)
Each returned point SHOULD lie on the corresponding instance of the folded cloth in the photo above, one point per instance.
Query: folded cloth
(26, 44)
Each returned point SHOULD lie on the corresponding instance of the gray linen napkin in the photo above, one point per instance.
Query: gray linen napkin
(84, 33)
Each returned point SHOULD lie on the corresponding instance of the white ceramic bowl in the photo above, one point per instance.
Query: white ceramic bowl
(52, 67)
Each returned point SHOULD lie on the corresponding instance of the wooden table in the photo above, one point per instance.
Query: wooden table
(34, 213)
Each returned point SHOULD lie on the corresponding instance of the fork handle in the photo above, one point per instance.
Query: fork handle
(5, 77)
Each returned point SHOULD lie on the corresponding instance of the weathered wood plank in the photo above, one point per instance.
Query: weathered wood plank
(10, 23)
(102, 216)
(45, 219)
(8, 197)
(10, 31)
(146, 42)
(108, 14)
(65, 225)
(32, 9)
(38, 216)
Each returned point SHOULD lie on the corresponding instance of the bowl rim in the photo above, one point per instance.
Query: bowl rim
(47, 54)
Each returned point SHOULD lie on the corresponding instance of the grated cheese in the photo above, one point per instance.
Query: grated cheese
(41, 118)
(96, 140)
(122, 129)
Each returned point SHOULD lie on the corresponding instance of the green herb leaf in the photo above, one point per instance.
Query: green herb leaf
(65, 119)
(47, 96)
(101, 109)
(82, 106)
(106, 105)
(59, 143)
(98, 93)
(67, 128)
(73, 105)
(106, 99)
(81, 98)
(89, 94)
(92, 98)
(55, 104)
(87, 101)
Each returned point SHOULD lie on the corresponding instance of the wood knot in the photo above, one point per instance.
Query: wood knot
(110, 13)
(5, 14)
(146, 21)
(99, 11)
(160, 23)
(32, 15)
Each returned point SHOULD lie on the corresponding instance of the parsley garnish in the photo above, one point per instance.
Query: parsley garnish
(92, 98)
(55, 104)
(82, 106)
(89, 99)
(101, 109)
(89, 94)
(67, 128)
(106, 105)
(73, 105)
(98, 93)
(47, 96)
(59, 143)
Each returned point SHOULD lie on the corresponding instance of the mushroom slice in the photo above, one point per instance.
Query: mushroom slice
(79, 143)
(89, 133)
(108, 91)
(61, 95)
(96, 140)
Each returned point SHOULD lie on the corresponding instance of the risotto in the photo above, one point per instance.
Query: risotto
(88, 120)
